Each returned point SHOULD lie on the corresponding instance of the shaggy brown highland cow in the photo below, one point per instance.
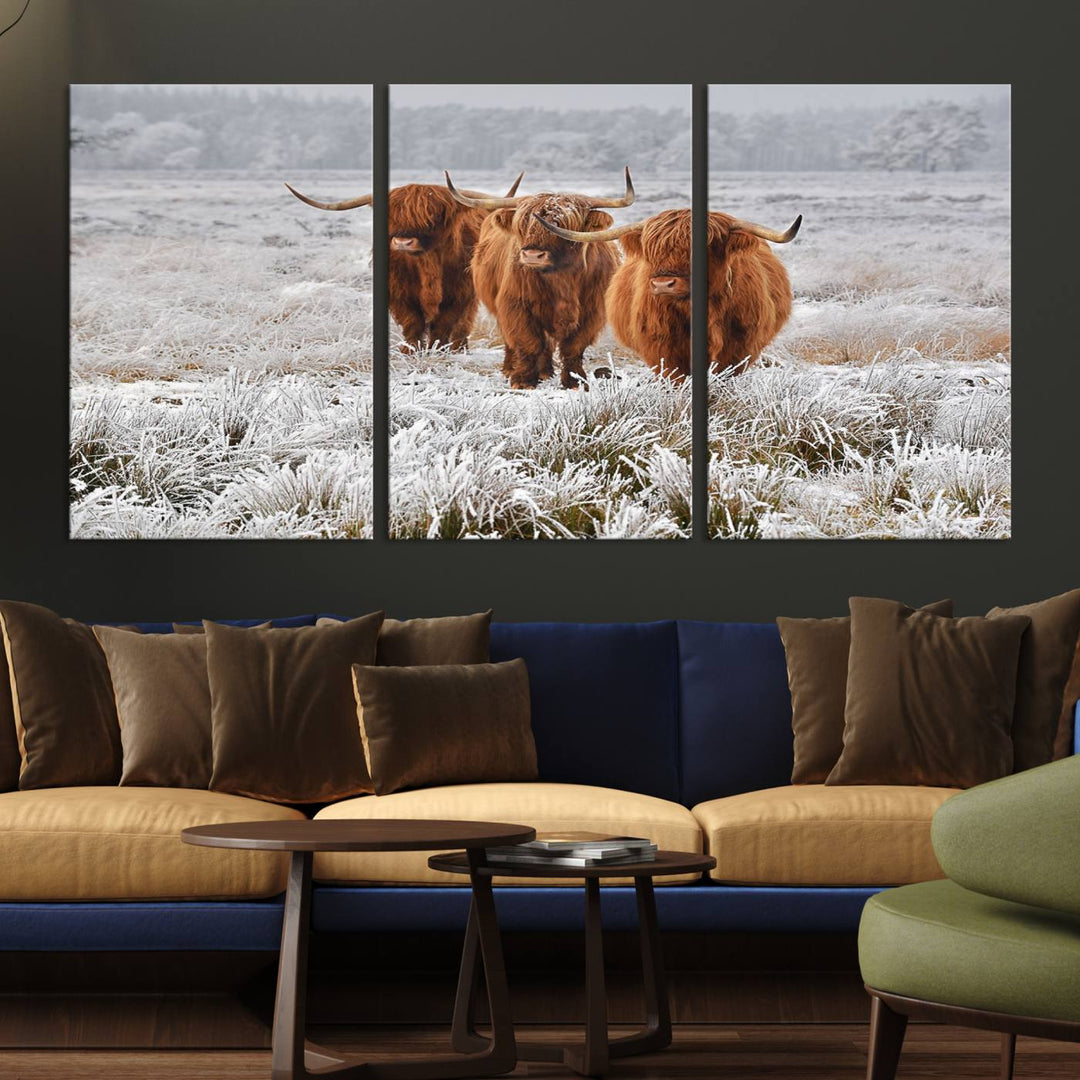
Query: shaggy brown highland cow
(546, 293)
(432, 236)
(648, 300)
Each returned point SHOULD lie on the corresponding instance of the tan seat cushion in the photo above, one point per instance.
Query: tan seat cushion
(546, 807)
(123, 843)
(810, 834)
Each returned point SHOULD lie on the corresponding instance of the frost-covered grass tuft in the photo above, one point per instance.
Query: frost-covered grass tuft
(867, 453)
(231, 456)
(470, 458)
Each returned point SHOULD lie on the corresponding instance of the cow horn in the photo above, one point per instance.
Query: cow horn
(626, 200)
(488, 202)
(774, 235)
(348, 204)
(513, 187)
(591, 237)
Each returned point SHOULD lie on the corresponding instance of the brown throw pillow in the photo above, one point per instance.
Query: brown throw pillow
(9, 739)
(453, 639)
(197, 628)
(817, 663)
(1065, 739)
(282, 710)
(929, 699)
(447, 724)
(1046, 657)
(163, 703)
(62, 697)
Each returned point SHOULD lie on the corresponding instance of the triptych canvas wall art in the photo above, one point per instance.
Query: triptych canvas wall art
(539, 277)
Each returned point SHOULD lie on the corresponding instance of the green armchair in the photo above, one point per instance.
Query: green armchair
(997, 944)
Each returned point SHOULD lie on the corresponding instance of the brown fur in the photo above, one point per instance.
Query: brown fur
(432, 297)
(540, 311)
(749, 294)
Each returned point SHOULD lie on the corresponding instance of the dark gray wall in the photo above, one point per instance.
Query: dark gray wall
(256, 41)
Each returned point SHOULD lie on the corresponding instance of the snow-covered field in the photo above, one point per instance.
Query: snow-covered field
(221, 375)
(883, 408)
(220, 357)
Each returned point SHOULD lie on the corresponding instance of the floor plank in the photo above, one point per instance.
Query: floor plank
(738, 1052)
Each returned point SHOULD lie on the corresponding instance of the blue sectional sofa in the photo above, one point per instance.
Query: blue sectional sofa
(687, 721)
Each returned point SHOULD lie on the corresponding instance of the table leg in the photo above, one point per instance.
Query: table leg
(463, 1034)
(290, 1012)
(292, 1058)
(657, 1031)
(592, 1059)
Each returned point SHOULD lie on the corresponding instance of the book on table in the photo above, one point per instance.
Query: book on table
(575, 849)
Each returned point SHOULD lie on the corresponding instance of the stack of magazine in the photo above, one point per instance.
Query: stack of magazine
(575, 849)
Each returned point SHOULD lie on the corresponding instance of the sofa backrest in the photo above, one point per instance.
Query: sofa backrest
(735, 710)
(604, 701)
(686, 711)
(167, 627)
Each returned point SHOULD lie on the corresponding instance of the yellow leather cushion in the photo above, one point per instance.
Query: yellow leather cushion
(123, 843)
(810, 834)
(546, 807)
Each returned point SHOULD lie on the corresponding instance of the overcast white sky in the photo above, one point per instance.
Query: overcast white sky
(746, 98)
(737, 98)
(546, 95)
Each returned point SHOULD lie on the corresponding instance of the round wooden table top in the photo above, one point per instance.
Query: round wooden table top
(666, 862)
(375, 834)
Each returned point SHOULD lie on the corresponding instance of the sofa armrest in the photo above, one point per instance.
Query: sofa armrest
(1017, 838)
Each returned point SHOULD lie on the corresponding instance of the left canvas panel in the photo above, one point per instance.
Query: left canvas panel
(221, 352)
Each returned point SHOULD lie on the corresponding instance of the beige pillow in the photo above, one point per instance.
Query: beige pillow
(283, 714)
(929, 699)
(197, 628)
(816, 651)
(65, 716)
(163, 703)
(451, 639)
(446, 724)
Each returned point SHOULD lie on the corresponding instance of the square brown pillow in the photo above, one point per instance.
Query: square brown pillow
(193, 628)
(163, 703)
(447, 724)
(9, 740)
(65, 716)
(283, 713)
(929, 700)
(452, 639)
(1046, 658)
(817, 662)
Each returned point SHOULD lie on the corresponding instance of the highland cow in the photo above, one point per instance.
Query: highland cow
(648, 300)
(546, 293)
(432, 236)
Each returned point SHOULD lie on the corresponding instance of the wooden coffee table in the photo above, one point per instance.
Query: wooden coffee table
(591, 1058)
(292, 1058)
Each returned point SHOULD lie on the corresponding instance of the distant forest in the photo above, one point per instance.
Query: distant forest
(220, 127)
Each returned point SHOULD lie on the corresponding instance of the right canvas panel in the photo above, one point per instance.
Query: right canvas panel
(859, 312)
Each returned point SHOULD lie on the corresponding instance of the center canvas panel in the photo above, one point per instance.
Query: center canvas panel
(540, 312)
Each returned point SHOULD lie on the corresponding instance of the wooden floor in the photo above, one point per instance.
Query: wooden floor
(738, 1052)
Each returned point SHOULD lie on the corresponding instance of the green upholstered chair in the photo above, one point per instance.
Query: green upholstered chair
(997, 944)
